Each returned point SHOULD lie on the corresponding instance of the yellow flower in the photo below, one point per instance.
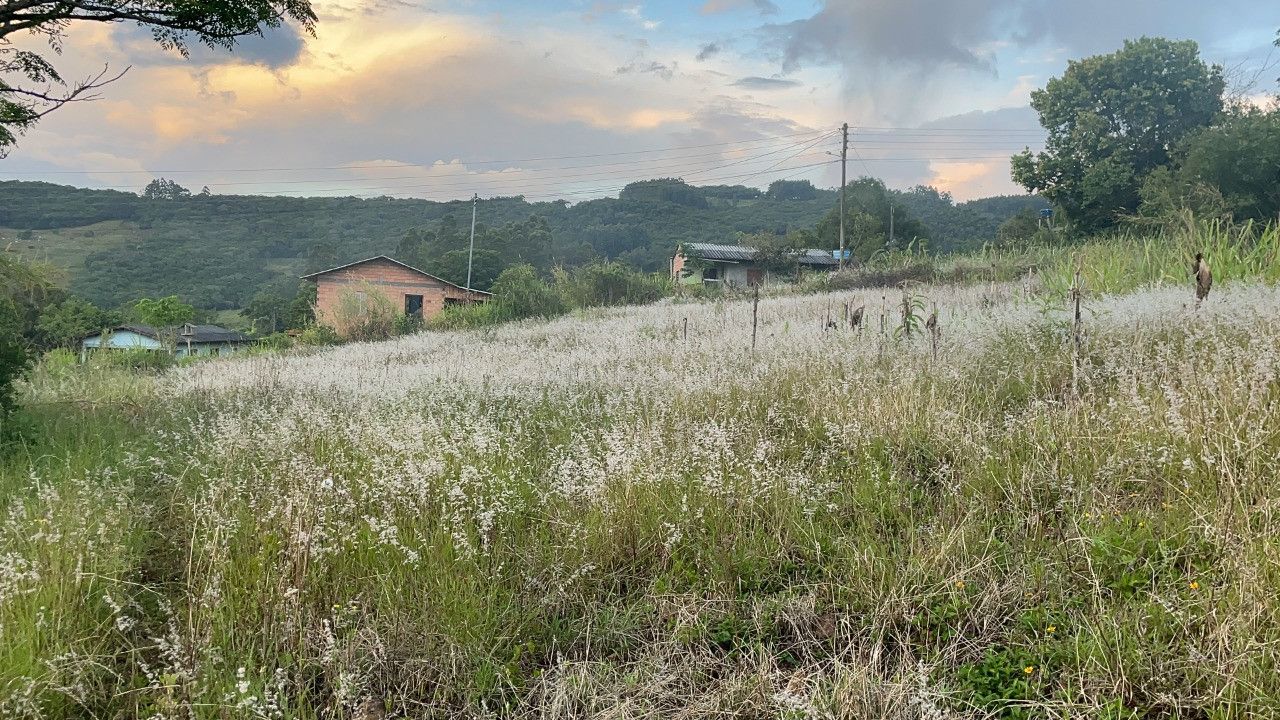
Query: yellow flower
(960, 584)
(1051, 629)
(1194, 585)
(1029, 669)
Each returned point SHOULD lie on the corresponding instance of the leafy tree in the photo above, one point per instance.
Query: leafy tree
(777, 253)
(165, 315)
(173, 23)
(281, 308)
(1018, 230)
(1239, 159)
(1168, 194)
(162, 189)
(14, 354)
(791, 190)
(66, 323)
(868, 205)
(1112, 120)
(664, 190)
(486, 265)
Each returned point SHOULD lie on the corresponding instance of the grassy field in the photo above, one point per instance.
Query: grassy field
(632, 513)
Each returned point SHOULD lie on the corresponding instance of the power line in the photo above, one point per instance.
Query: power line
(513, 192)
(429, 165)
(499, 181)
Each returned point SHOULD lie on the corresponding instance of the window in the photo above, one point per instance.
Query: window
(413, 305)
(449, 302)
(711, 274)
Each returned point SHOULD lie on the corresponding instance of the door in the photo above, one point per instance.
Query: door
(413, 305)
(755, 276)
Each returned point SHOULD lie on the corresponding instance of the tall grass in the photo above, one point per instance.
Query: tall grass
(603, 517)
(1247, 252)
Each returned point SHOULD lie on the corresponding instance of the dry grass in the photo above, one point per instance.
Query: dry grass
(597, 517)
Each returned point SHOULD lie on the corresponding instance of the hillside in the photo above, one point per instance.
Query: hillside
(600, 516)
(218, 251)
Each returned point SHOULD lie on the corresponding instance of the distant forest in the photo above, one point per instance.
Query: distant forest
(220, 251)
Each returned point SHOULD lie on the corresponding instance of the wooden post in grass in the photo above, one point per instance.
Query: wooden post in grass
(684, 332)
(935, 332)
(755, 316)
(884, 301)
(1077, 326)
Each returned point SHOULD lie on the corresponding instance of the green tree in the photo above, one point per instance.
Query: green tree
(165, 315)
(791, 190)
(39, 89)
(1236, 161)
(66, 323)
(868, 208)
(1112, 120)
(163, 189)
(776, 253)
(164, 312)
(486, 265)
(520, 293)
(268, 312)
(14, 353)
(1018, 230)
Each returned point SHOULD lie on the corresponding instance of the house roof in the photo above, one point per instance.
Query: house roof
(817, 257)
(742, 253)
(197, 334)
(711, 251)
(210, 334)
(314, 275)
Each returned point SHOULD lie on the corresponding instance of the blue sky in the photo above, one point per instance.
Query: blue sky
(572, 99)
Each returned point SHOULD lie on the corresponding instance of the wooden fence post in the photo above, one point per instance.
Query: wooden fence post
(1077, 327)
(755, 316)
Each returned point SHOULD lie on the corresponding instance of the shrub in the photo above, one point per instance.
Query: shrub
(134, 359)
(318, 335)
(406, 324)
(365, 314)
(520, 293)
(608, 283)
(276, 341)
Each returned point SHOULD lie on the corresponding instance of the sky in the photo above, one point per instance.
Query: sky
(571, 100)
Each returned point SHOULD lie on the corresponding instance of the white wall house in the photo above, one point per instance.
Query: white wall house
(190, 340)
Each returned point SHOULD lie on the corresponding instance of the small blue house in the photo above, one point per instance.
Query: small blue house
(190, 340)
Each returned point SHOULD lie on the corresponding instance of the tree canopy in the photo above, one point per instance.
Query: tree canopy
(1112, 120)
(31, 87)
(870, 211)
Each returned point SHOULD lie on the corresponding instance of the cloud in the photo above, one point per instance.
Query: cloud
(708, 50)
(422, 112)
(662, 70)
(636, 13)
(763, 83)
(274, 48)
(967, 34)
(712, 7)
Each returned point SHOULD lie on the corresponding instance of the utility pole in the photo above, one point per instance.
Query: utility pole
(891, 244)
(844, 166)
(475, 198)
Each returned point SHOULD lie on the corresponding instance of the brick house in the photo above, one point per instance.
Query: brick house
(409, 290)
